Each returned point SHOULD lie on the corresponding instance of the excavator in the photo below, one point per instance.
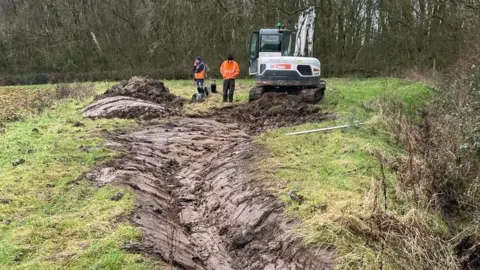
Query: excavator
(279, 68)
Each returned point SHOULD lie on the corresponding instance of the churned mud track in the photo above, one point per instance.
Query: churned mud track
(196, 204)
(273, 110)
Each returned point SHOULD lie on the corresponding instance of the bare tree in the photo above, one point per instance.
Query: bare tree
(92, 39)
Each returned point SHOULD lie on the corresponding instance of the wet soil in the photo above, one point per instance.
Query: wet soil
(198, 203)
(138, 97)
(146, 99)
(144, 89)
(126, 107)
(273, 110)
(199, 206)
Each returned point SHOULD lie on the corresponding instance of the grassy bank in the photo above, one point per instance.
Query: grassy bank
(353, 201)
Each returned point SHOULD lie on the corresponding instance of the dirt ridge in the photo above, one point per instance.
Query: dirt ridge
(197, 203)
(198, 208)
(140, 98)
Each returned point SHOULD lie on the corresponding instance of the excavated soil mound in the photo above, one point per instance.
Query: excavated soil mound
(126, 107)
(142, 88)
(136, 98)
(273, 110)
(197, 203)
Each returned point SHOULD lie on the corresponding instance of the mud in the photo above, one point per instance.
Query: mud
(138, 97)
(147, 99)
(126, 107)
(198, 204)
(142, 88)
(273, 110)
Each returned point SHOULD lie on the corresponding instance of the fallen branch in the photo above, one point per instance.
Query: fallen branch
(320, 130)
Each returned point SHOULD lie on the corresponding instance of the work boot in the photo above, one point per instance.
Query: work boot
(224, 97)
(230, 98)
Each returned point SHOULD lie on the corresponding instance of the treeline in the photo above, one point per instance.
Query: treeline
(114, 39)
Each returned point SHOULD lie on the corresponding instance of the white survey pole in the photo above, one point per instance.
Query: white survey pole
(320, 130)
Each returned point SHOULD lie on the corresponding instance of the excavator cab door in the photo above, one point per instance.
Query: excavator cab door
(254, 51)
(287, 44)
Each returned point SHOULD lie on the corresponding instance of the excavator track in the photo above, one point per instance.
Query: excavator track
(313, 95)
(307, 95)
(256, 93)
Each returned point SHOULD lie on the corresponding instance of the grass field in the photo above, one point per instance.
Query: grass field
(187, 88)
(52, 218)
(339, 174)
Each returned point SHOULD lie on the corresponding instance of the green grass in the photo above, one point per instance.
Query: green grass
(338, 170)
(52, 217)
(186, 88)
(359, 98)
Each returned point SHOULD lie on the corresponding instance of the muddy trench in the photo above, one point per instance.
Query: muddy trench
(198, 203)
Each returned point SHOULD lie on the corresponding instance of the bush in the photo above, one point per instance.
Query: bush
(41, 78)
(6, 82)
(438, 168)
(442, 145)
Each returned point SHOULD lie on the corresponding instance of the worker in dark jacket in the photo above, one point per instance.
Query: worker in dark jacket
(229, 70)
(199, 74)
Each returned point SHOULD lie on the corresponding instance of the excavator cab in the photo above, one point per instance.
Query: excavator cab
(269, 42)
(278, 67)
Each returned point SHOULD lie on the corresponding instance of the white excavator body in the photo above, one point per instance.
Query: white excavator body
(278, 67)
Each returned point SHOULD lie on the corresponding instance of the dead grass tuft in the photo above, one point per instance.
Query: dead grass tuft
(17, 103)
(75, 91)
(439, 166)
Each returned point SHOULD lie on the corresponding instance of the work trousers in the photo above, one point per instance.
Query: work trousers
(228, 89)
(200, 85)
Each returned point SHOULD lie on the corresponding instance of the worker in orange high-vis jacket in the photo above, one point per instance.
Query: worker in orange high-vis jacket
(229, 70)
(199, 74)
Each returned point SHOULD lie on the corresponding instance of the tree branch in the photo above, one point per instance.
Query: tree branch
(290, 12)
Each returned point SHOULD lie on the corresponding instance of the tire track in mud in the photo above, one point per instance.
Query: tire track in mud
(196, 202)
(198, 208)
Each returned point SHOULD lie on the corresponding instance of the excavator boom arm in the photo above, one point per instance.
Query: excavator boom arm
(305, 33)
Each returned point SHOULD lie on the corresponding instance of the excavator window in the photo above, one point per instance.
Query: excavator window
(286, 44)
(271, 43)
(254, 45)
